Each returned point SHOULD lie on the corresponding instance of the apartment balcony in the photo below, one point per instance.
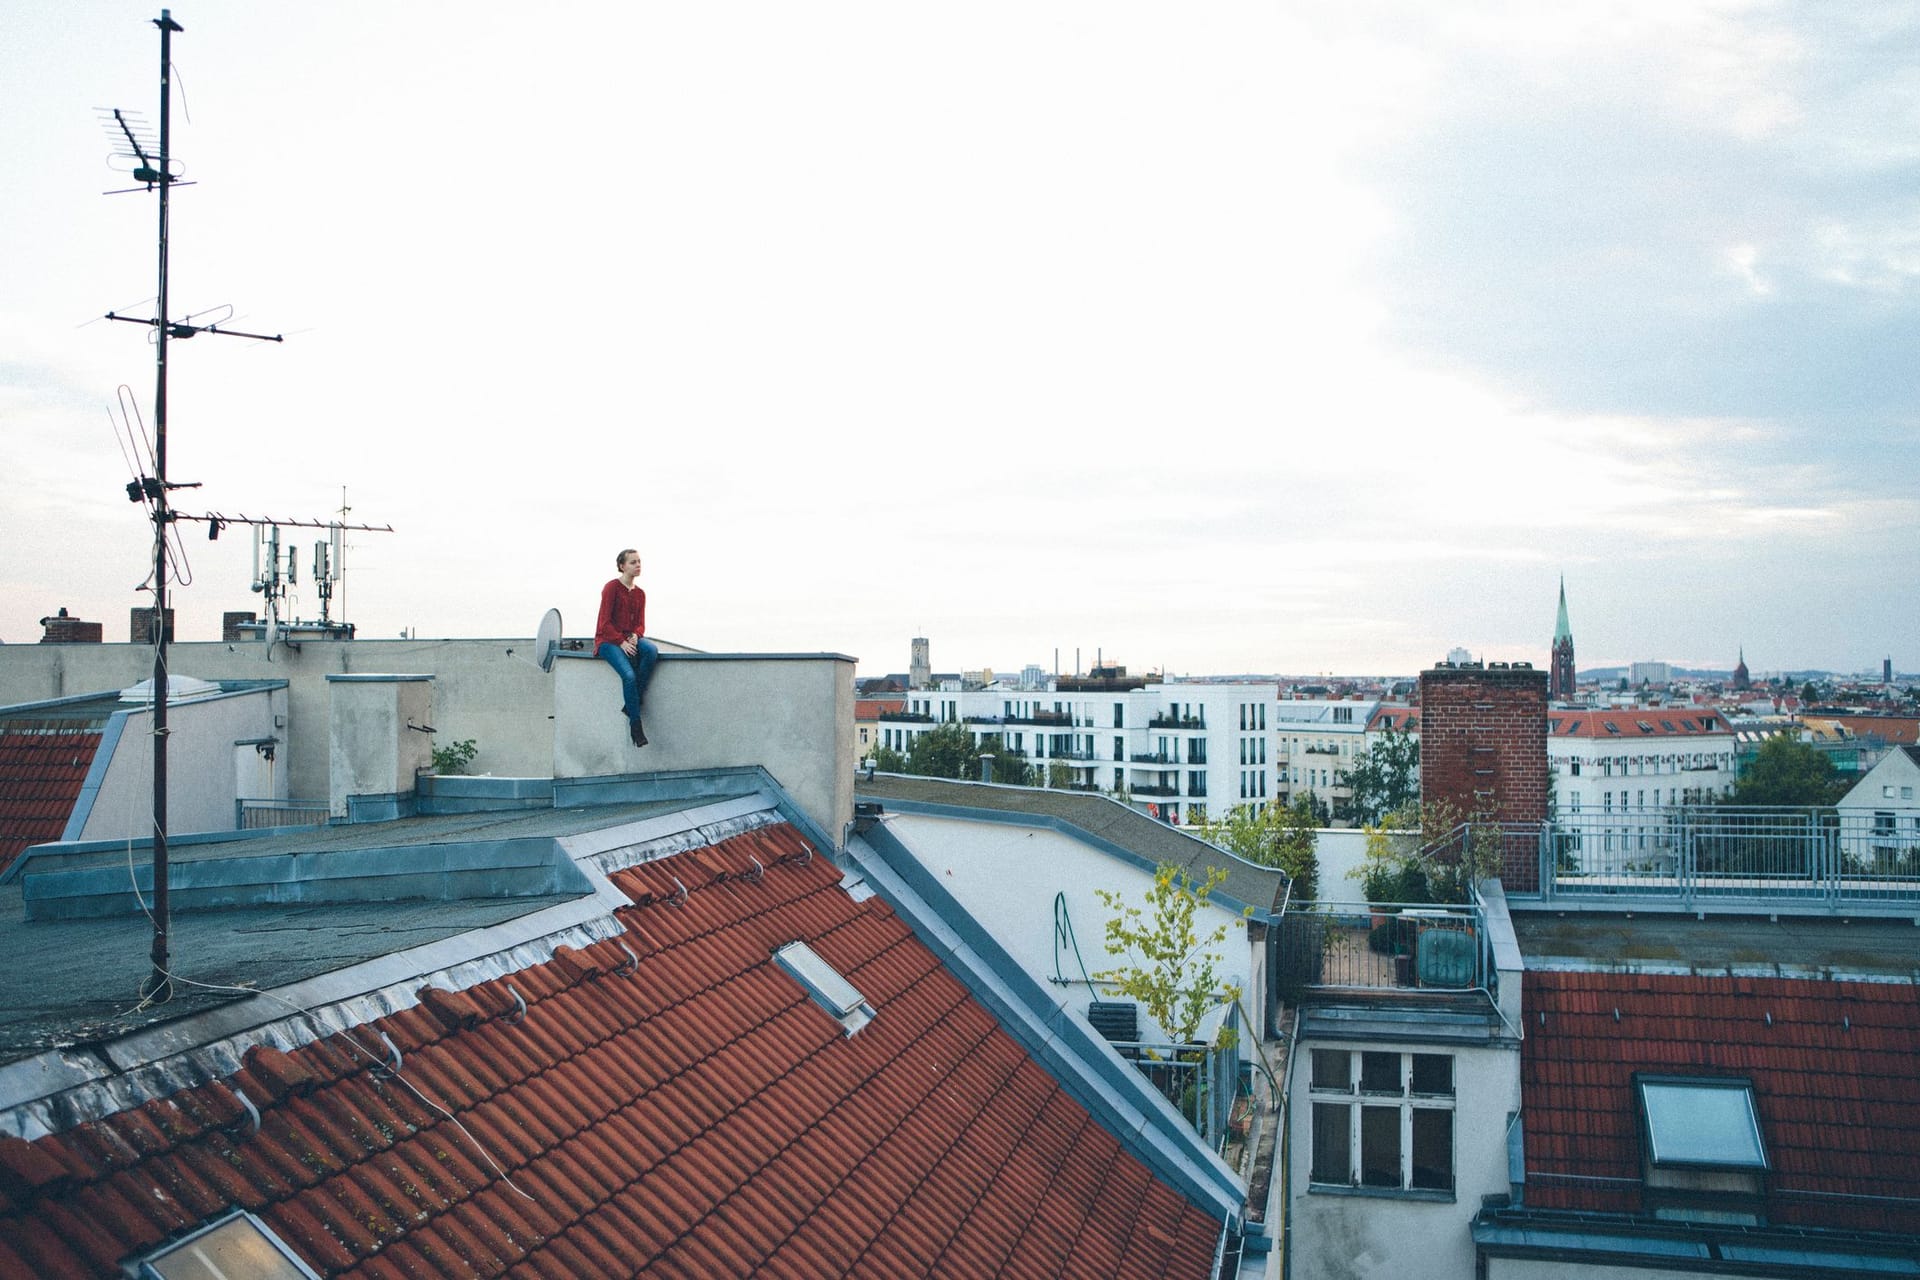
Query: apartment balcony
(1153, 757)
(1155, 791)
(908, 717)
(1061, 718)
(1331, 946)
(1176, 722)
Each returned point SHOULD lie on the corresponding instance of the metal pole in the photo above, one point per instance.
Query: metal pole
(159, 985)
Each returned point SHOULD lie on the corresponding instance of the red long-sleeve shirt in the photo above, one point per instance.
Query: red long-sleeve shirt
(623, 613)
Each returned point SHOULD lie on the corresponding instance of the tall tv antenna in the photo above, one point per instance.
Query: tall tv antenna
(152, 162)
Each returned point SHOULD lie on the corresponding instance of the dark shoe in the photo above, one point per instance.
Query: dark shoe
(639, 735)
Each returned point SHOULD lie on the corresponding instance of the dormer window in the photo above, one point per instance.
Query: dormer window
(1705, 1158)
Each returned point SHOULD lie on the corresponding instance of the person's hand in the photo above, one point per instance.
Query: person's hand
(630, 646)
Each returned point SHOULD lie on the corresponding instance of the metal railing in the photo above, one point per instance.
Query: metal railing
(1200, 1081)
(1408, 946)
(1727, 853)
(256, 815)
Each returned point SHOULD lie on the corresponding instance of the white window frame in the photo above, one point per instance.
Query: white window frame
(1406, 1101)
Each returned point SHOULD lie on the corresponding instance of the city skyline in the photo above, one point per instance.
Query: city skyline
(1259, 338)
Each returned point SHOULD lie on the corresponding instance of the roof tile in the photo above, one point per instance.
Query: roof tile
(699, 1116)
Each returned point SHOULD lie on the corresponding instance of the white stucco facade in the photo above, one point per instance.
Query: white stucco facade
(1007, 876)
(1353, 1233)
(214, 758)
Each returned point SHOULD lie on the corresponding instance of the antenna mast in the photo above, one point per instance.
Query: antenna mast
(153, 168)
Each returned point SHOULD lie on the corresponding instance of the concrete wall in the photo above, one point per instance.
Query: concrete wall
(487, 690)
(791, 714)
(1358, 1236)
(1006, 876)
(201, 775)
(375, 741)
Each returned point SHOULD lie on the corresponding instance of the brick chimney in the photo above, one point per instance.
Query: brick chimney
(63, 628)
(1483, 750)
(140, 625)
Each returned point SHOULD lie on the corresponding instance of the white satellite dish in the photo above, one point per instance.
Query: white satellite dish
(546, 640)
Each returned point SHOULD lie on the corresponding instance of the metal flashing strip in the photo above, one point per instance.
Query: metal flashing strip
(1399, 1023)
(110, 735)
(1617, 1241)
(42, 1095)
(630, 844)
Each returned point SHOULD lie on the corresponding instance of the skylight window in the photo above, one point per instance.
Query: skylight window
(1612, 727)
(1667, 725)
(1644, 726)
(1574, 727)
(832, 992)
(1701, 1124)
(237, 1245)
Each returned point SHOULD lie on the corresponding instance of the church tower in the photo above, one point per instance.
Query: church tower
(1741, 680)
(1560, 670)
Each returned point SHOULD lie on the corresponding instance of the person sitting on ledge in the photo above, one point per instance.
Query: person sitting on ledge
(620, 637)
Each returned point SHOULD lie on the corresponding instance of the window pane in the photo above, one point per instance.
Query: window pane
(1332, 1147)
(1433, 1075)
(1380, 1147)
(1380, 1073)
(1432, 1149)
(1332, 1071)
(1702, 1123)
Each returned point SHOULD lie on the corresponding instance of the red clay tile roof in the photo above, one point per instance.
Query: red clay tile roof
(697, 1115)
(1398, 719)
(1833, 1082)
(1635, 722)
(877, 708)
(41, 770)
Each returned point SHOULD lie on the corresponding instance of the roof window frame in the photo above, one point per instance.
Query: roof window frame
(160, 1263)
(825, 985)
(1761, 1164)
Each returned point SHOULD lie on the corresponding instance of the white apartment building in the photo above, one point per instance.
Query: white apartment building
(1621, 759)
(1180, 751)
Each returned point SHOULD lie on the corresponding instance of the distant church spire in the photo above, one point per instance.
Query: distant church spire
(1560, 672)
(1741, 680)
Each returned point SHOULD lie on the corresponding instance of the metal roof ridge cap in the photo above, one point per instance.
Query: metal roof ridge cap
(140, 1062)
(579, 845)
(415, 965)
(1163, 1143)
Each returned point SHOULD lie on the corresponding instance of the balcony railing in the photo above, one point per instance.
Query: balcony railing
(1154, 757)
(1725, 855)
(1062, 718)
(1379, 946)
(1176, 722)
(1201, 1082)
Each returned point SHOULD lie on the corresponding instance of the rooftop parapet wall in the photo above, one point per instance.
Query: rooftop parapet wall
(790, 714)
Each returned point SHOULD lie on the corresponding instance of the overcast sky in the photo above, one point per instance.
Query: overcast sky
(1218, 338)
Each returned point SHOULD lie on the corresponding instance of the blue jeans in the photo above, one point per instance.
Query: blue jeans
(635, 672)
